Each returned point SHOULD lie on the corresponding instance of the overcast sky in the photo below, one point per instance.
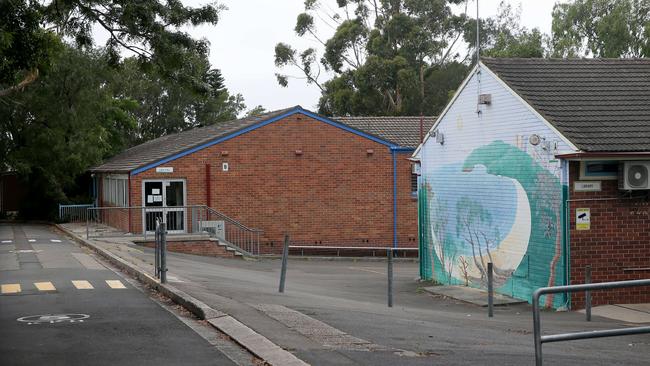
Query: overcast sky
(242, 44)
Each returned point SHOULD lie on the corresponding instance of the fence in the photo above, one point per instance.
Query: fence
(232, 231)
(540, 339)
(140, 221)
(74, 213)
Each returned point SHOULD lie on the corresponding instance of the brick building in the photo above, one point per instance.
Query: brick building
(540, 166)
(328, 182)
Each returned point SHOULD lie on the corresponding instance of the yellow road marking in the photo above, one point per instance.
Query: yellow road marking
(82, 285)
(44, 286)
(11, 288)
(115, 284)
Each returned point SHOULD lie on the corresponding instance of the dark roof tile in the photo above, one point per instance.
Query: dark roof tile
(598, 104)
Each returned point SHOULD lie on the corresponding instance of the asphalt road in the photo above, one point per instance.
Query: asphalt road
(324, 298)
(60, 306)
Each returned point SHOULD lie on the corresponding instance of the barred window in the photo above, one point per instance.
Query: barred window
(115, 190)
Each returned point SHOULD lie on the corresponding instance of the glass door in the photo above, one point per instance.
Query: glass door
(153, 203)
(164, 200)
(174, 201)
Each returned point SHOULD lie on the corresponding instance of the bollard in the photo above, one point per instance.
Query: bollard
(390, 278)
(156, 242)
(163, 253)
(588, 293)
(285, 257)
(490, 275)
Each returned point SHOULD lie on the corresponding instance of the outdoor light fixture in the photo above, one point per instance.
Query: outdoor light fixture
(370, 151)
(298, 152)
(224, 153)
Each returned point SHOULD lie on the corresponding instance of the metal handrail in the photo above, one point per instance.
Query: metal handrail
(75, 211)
(540, 339)
(231, 220)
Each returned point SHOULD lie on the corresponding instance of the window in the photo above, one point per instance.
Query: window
(598, 170)
(414, 184)
(115, 190)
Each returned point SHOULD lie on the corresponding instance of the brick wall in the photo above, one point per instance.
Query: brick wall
(617, 243)
(204, 247)
(333, 192)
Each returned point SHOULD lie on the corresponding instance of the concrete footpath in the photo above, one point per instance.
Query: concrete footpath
(240, 333)
(335, 313)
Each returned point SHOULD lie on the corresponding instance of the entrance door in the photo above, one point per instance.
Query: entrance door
(164, 200)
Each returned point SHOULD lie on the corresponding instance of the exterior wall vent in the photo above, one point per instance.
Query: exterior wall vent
(485, 99)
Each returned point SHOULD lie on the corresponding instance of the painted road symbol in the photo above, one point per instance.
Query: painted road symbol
(53, 318)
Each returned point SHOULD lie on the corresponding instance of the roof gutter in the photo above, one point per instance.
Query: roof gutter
(587, 155)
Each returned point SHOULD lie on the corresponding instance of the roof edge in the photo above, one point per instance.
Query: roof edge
(530, 106)
(262, 123)
(446, 109)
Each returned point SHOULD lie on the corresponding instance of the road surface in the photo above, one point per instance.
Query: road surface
(61, 306)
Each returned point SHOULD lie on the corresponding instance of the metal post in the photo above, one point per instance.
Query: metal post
(390, 278)
(285, 257)
(163, 253)
(156, 268)
(144, 219)
(588, 293)
(537, 329)
(87, 227)
(490, 278)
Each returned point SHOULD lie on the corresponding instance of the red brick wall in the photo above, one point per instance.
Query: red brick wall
(617, 243)
(208, 248)
(334, 193)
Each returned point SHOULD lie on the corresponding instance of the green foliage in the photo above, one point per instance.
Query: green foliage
(151, 29)
(25, 47)
(602, 28)
(164, 106)
(67, 121)
(64, 108)
(397, 57)
(504, 36)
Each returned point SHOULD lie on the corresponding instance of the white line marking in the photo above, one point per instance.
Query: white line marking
(55, 240)
(6, 241)
(31, 240)
(367, 270)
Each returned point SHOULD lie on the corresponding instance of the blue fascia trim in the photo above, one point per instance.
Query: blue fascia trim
(393, 152)
(400, 149)
(262, 124)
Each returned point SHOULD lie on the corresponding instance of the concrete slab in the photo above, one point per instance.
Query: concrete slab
(629, 313)
(472, 295)
(256, 343)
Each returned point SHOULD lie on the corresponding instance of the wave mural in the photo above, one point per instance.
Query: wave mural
(497, 205)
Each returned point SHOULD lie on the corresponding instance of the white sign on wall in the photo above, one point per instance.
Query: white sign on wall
(165, 169)
(594, 186)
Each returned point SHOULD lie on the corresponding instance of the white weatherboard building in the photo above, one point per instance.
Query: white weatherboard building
(497, 170)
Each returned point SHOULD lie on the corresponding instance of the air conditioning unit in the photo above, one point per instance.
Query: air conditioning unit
(415, 168)
(634, 175)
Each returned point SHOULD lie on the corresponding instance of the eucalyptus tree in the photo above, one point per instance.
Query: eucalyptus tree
(387, 57)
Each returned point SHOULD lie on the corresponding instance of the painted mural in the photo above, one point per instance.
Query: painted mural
(498, 203)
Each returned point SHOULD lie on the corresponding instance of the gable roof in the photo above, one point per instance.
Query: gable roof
(401, 130)
(598, 104)
(170, 147)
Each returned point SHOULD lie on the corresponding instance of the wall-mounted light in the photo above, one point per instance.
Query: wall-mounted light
(370, 151)
(224, 153)
(298, 152)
